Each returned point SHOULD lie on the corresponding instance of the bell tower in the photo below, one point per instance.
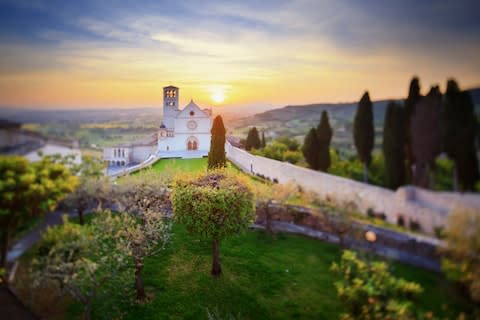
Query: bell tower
(170, 105)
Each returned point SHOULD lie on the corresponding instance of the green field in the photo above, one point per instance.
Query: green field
(263, 278)
(181, 165)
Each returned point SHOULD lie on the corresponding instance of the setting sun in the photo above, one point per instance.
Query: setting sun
(218, 96)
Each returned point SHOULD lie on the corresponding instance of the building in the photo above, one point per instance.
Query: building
(32, 145)
(183, 133)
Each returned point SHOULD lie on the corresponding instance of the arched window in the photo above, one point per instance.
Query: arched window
(118, 163)
(189, 147)
(194, 145)
(123, 163)
(123, 153)
(114, 153)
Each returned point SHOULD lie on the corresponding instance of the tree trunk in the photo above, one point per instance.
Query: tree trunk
(365, 172)
(80, 216)
(216, 269)
(455, 176)
(87, 311)
(4, 249)
(139, 283)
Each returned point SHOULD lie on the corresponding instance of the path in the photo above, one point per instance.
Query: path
(34, 235)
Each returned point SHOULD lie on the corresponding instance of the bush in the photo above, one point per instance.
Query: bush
(292, 156)
(369, 291)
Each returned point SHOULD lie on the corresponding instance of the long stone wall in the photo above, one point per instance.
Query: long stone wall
(427, 209)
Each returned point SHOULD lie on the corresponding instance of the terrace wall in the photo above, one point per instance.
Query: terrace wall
(426, 208)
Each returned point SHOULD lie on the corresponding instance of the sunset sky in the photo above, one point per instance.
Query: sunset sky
(71, 54)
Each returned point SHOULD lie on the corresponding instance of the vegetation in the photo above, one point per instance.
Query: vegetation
(29, 190)
(394, 146)
(214, 205)
(324, 135)
(253, 140)
(413, 98)
(363, 132)
(461, 132)
(309, 149)
(216, 156)
(462, 261)
(369, 291)
(426, 129)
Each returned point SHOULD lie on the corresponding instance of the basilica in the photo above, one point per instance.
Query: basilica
(183, 133)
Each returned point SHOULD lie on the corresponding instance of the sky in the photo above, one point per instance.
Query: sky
(117, 54)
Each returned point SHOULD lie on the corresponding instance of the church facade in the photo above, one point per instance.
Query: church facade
(183, 133)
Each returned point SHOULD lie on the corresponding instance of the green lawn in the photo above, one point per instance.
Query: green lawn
(263, 278)
(182, 165)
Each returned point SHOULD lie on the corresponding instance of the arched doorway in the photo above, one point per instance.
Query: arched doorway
(192, 143)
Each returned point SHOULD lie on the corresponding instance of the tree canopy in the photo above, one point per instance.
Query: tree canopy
(393, 145)
(364, 132)
(216, 156)
(324, 136)
(253, 140)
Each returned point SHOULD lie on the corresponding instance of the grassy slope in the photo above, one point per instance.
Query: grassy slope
(263, 278)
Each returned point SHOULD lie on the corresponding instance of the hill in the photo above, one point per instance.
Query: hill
(296, 120)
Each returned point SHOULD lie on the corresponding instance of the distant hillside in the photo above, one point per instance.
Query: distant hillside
(295, 121)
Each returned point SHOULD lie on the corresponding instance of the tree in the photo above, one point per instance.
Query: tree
(275, 150)
(427, 135)
(216, 156)
(461, 131)
(461, 261)
(253, 140)
(369, 291)
(213, 205)
(413, 98)
(28, 190)
(263, 139)
(81, 260)
(364, 132)
(394, 145)
(310, 149)
(324, 136)
(291, 143)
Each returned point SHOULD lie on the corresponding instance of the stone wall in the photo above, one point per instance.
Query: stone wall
(427, 209)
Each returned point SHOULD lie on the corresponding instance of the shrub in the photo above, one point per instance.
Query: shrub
(292, 156)
(401, 221)
(369, 291)
(213, 205)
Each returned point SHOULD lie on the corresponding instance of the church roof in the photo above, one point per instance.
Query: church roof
(192, 107)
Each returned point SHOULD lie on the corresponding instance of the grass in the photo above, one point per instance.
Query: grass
(263, 278)
(181, 165)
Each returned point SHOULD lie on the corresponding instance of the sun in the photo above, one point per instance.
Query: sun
(218, 96)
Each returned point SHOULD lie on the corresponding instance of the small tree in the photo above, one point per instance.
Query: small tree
(81, 260)
(28, 190)
(310, 149)
(369, 291)
(253, 140)
(214, 206)
(324, 136)
(216, 156)
(364, 132)
(461, 262)
(264, 143)
(394, 145)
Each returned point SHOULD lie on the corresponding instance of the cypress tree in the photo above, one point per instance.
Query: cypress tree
(393, 145)
(310, 149)
(363, 132)
(413, 98)
(427, 135)
(216, 156)
(263, 139)
(461, 129)
(324, 136)
(253, 140)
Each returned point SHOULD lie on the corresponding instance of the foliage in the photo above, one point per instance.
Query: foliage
(310, 149)
(81, 260)
(370, 292)
(253, 140)
(427, 135)
(462, 260)
(292, 156)
(443, 173)
(216, 156)
(394, 145)
(275, 150)
(363, 131)
(324, 136)
(410, 103)
(291, 143)
(461, 131)
(29, 190)
(353, 168)
(214, 206)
